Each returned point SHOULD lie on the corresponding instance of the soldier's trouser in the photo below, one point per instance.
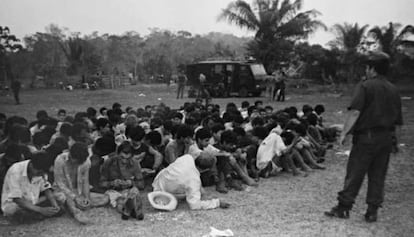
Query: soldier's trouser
(369, 155)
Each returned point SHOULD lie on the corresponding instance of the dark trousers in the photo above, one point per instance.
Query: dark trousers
(16, 96)
(180, 91)
(369, 156)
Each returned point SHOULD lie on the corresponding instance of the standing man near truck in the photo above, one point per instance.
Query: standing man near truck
(182, 80)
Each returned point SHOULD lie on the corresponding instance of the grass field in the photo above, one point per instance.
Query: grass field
(280, 206)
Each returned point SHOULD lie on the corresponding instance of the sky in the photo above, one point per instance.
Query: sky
(25, 17)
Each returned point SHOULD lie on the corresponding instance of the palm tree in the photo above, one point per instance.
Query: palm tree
(348, 38)
(386, 37)
(389, 38)
(273, 22)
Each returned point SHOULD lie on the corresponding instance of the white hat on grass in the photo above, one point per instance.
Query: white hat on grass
(162, 200)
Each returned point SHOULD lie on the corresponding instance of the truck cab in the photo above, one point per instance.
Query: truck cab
(228, 78)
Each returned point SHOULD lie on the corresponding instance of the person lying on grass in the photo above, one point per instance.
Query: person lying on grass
(182, 179)
(27, 195)
(121, 175)
(71, 171)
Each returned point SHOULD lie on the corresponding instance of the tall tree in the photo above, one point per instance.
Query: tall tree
(73, 50)
(389, 36)
(276, 25)
(348, 39)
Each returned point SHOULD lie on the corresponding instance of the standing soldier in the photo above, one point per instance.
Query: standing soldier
(182, 80)
(15, 86)
(374, 115)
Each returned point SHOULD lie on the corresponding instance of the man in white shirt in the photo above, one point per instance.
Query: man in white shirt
(23, 184)
(182, 179)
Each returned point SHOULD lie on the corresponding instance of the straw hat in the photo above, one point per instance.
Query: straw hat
(162, 200)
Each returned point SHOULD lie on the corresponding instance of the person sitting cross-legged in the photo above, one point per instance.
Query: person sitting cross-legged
(26, 190)
(121, 176)
(182, 179)
(71, 171)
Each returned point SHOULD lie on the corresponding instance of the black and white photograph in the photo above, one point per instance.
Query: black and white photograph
(206, 118)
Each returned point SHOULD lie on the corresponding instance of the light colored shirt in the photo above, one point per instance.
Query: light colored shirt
(272, 145)
(63, 179)
(182, 179)
(17, 185)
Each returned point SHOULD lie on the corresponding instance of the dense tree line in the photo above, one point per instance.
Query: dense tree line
(58, 53)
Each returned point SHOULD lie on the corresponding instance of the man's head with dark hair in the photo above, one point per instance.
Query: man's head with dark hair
(229, 137)
(128, 109)
(216, 131)
(228, 141)
(202, 137)
(41, 114)
(61, 115)
(104, 145)
(135, 133)
(40, 139)
(102, 123)
(258, 103)
(116, 105)
(125, 147)
(252, 110)
(184, 131)
(288, 137)
(292, 111)
(307, 109)
(79, 131)
(260, 132)
(153, 138)
(57, 147)
(66, 129)
(319, 109)
(91, 112)
(312, 119)
(300, 129)
(258, 121)
(245, 104)
(80, 117)
(41, 163)
(78, 153)
(156, 122)
(103, 111)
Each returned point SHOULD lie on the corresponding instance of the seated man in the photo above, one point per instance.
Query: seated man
(177, 147)
(140, 150)
(24, 183)
(182, 179)
(71, 172)
(237, 158)
(121, 176)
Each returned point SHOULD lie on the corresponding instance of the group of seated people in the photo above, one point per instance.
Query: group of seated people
(98, 158)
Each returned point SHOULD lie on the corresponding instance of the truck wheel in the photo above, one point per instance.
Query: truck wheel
(243, 92)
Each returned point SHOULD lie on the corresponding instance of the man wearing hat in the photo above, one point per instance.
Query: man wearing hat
(182, 179)
(374, 116)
